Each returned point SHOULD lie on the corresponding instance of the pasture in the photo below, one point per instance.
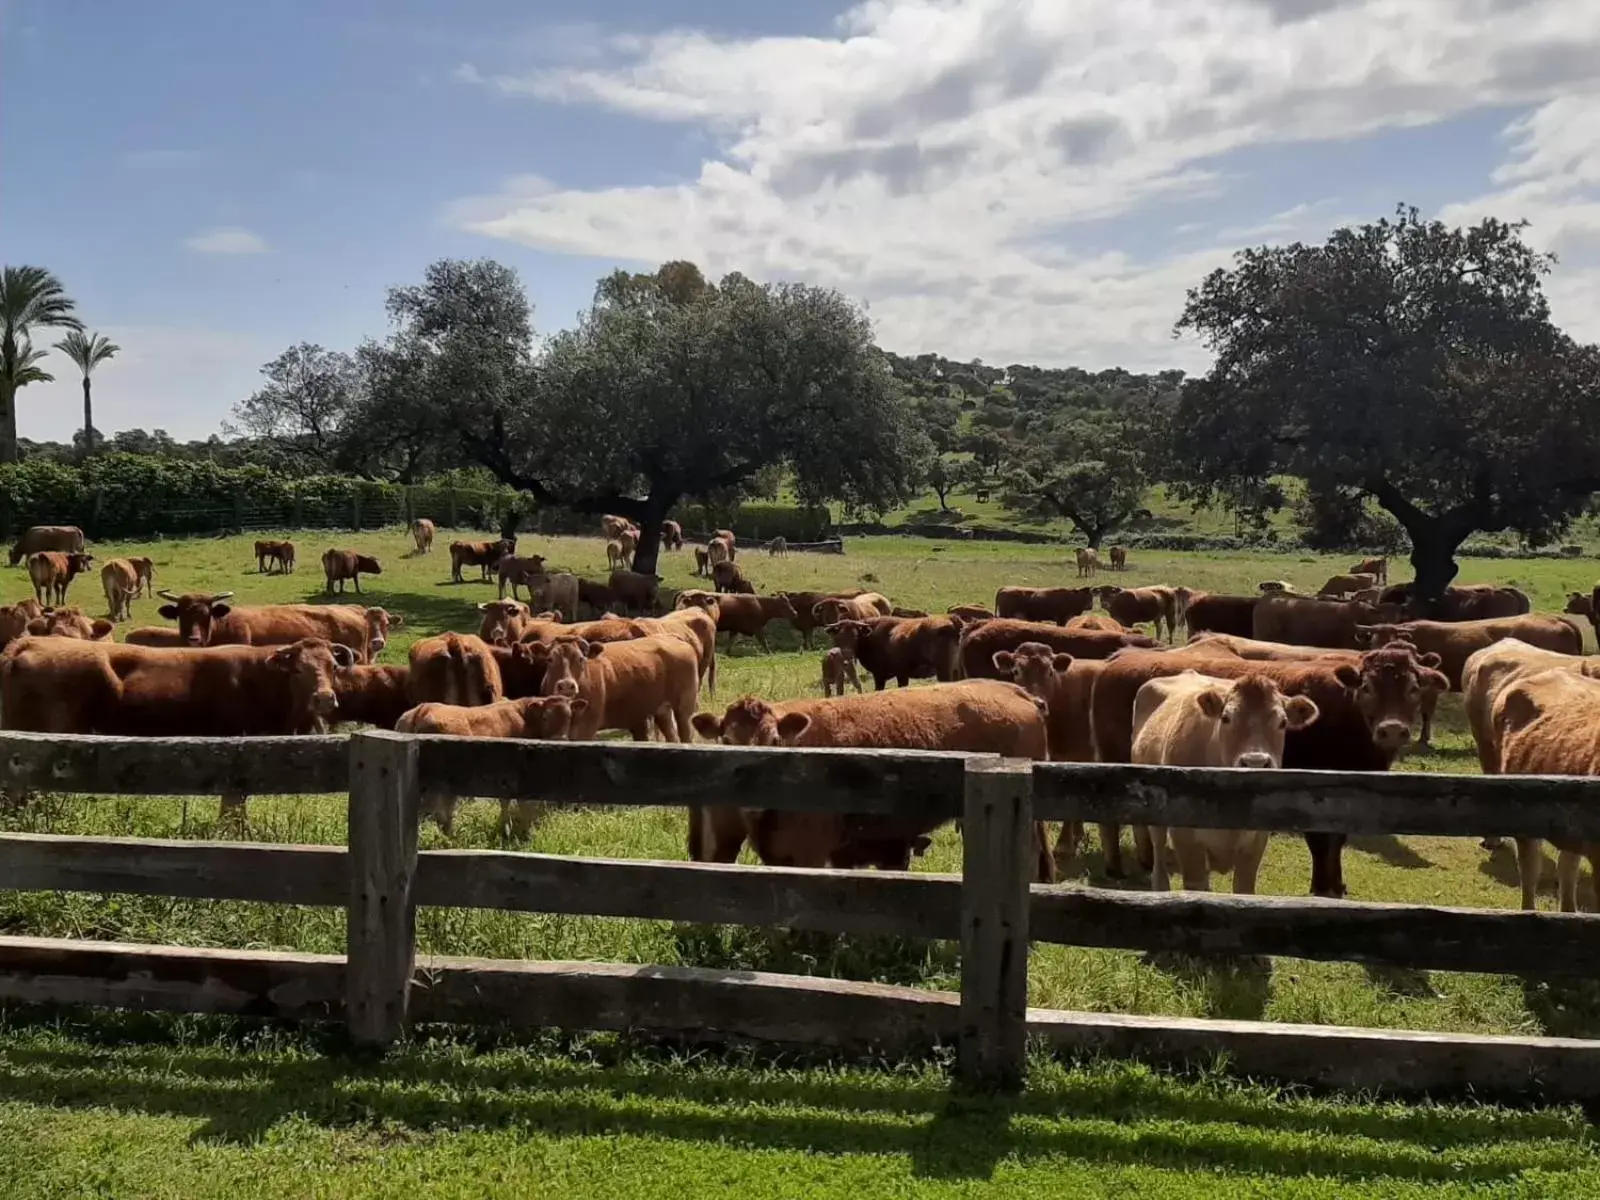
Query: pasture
(649, 1101)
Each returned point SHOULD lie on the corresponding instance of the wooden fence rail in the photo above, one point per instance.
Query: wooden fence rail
(382, 985)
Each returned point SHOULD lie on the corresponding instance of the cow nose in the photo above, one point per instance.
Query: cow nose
(376, 645)
(1255, 759)
(1391, 735)
(567, 687)
(325, 701)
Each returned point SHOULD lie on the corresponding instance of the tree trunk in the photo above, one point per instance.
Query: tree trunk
(653, 511)
(88, 420)
(1433, 562)
(8, 423)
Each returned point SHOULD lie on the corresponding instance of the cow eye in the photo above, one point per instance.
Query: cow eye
(1226, 719)
(1283, 722)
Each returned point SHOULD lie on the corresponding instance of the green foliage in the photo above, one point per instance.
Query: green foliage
(30, 298)
(758, 521)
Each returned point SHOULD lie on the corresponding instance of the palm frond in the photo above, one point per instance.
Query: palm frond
(31, 296)
(87, 350)
(19, 371)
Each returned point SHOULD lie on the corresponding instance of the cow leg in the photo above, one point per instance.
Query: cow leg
(1068, 840)
(518, 817)
(1157, 835)
(1530, 864)
(1327, 871)
(761, 639)
(1144, 848)
(1111, 847)
(441, 806)
(805, 638)
(1568, 864)
(1247, 862)
(716, 834)
(232, 810)
(1045, 862)
(1430, 701)
(903, 680)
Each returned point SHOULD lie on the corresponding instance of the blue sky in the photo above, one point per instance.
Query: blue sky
(1020, 180)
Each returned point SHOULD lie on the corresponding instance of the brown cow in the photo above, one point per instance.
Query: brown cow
(973, 612)
(70, 623)
(1191, 720)
(543, 628)
(629, 685)
(693, 625)
(1097, 621)
(635, 592)
(370, 695)
(119, 579)
(628, 542)
(556, 593)
(1456, 641)
(1131, 607)
(1367, 716)
(14, 619)
(503, 621)
(1205, 612)
(730, 577)
(702, 561)
(208, 620)
(63, 539)
(1058, 604)
(806, 602)
(902, 648)
(671, 535)
(53, 571)
(1088, 562)
(863, 607)
(1304, 621)
(616, 560)
(1546, 724)
(611, 526)
(146, 568)
(454, 668)
(1378, 568)
(718, 551)
(838, 669)
(1341, 586)
(981, 716)
(422, 531)
(483, 555)
(1580, 605)
(1119, 558)
(268, 553)
(725, 535)
(979, 643)
(1467, 602)
(519, 570)
(898, 611)
(340, 565)
(744, 615)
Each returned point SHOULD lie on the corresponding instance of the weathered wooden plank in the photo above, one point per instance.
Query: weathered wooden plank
(119, 766)
(159, 867)
(385, 795)
(1335, 801)
(998, 859)
(1384, 1060)
(683, 1001)
(1414, 936)
(886, 903)
(645, 773)
(252, 983)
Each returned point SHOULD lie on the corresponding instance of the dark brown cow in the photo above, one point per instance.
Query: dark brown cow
(1138, 606)
(1058, 604)
(281, 553)
(370, 695)
(1466, 602)
(520, 570)
(730, 577)
(521, 669)
(671, 535)
(805, 619)
(635, 592)
(980, 642)
(340, 565)
(1305, 621)
(974, 612)
(1367, 716)
(1119, 558)
(484, 555)
(53, 571)
(742, 615)
(902, 648)
(1205, 612)
(63, 539)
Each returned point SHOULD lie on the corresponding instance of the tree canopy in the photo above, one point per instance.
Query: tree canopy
(1404, 359)
(30, 298)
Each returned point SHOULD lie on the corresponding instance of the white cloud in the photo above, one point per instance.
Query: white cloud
(229, 239)
(941, 159)
(185, 381)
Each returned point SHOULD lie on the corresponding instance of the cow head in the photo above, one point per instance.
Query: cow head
(751, 721)
(1252, 718)
(70, 623)
(1107, 593)
(367, 565)
(195, 613)
(566, 662)
(522, 668)
(1579, 605)
(1389, 688)
(379, 621)
(778, 608)
(311, 665)
(827, 612)
(847, 635)
(1034, 666)
(549, 718)
(698, 598)
(502, 621)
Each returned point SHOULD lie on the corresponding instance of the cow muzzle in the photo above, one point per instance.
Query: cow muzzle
(567, 688)
(1255, 760)
(1391, 734)
(376, 645)
(324, 703)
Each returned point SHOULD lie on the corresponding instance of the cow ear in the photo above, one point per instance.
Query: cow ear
(102, 629)
(707, 725)
(1347, 675)
(169, 611)
(1430, 659)
(396, 619)
(281, 659)
(483, 606)
(594, 649)
(792, 725)
(1005, 661)
(1363, 635)
(1301, 711)
(218, 611)
(1434, 681)
(1061, 661)
(1211, 703)
(38, 627)
(579, 706)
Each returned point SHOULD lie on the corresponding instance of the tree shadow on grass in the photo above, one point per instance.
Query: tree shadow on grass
(909, 962)
(1232, 987)
(1500, 865)
(614, 1088)
(1390, 849)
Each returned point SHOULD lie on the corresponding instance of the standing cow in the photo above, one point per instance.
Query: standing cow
(422, 531)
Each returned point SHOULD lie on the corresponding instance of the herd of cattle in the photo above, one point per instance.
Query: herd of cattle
(1343, 680)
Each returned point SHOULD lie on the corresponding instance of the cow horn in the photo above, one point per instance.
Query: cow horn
(223, 596)
(166, 595)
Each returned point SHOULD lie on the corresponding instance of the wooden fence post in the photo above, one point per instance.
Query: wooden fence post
(997, 865)
(381, 939)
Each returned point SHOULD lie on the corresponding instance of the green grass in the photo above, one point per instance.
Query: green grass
(180, 1114)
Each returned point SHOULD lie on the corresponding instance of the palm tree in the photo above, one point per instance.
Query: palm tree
(88, 350)
(29, 297)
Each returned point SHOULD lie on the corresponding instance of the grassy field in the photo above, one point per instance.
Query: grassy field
(198, 1104)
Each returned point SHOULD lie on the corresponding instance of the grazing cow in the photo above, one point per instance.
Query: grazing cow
(979, 643)
(1467, 602)
(1058, 604)
(63, 539)
(805, 603)
(14, 619)
(611, 527)
(1274, 585)
(1456, 641)
(1191, 720)
(454, 668)
(902, 648)
(971, 612)
(725, 535)
(422, 531)
(372, 695)
(543, 718)
(746, 616)
(1303, 621)
(483, 555)
(1378, 568)
(146, 569)
(1340, 586)
(1119, 558)
(635, 592)
(1548, 723)
(632, 685)
(1368, 712)
(729, 577)
(341, 565)
(702, 561)
(52, 572)
(616, 560)
(119, 579)
(1131, 607)
(268, 553)
(519, 570)
(671, 535)
(838, 669)
(70, 623)
(980, 716)
(1088, 562)
(1097, 621)
(778, 548)
(1204, 612)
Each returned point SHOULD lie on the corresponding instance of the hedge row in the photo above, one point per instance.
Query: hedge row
(753, 522)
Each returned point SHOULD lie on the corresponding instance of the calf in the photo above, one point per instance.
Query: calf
(556, 593)
(838, 669)
(616, 560)
(342, 565)
(1043, 604)
(53, 571)
(635, 592)
(119, 579)
(1378, 568)
(778, 548)
(422, 531)
(805, 603)
(483, 555)
(1136, 606)
(281, 553)
(728, 577)
(702, 561)
(1190, 720)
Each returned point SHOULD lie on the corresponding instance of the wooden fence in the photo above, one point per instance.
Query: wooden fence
(990, 908)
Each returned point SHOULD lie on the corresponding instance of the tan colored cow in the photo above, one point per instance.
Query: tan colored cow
(1088, 563)
(422, 532)
(119, 578)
